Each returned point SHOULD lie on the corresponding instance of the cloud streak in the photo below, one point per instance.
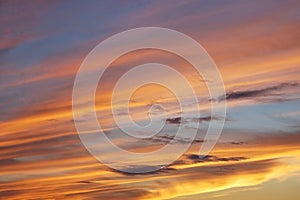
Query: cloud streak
(268, 91)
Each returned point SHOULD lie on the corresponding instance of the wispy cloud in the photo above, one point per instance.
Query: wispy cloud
(272, 91)
(212, 158)
(179, 120)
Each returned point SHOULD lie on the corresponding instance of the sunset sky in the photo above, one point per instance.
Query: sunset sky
(256, 46)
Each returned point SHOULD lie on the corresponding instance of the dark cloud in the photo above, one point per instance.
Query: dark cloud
(208, 118)
(212, 158)
(179, 120)
(195, 158)
(176, 120)
(113, 192)
(165, 139)
(237, 143)
(142, 170)
(269, 91)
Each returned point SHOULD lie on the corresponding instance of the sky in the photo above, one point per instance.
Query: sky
(255, 45)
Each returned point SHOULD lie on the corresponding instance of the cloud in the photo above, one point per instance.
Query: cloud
(203, 179)
(212, 158)
(268, 91)
(190, 159)
(143, 170)
(82, 177)
(237, 143)
(208, 118)
(179, 120)
(176, 120)
(165, 139)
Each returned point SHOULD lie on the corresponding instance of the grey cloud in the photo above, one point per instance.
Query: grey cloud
(269, 91)
(179, 120)
(165, 139)
(142, 170)
(212, 158)
(176, 120)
